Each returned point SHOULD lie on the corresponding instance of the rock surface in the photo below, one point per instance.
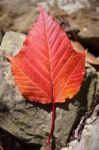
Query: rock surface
(17, 14)
(90, 135)
(31, 121)
(12, 41)
(70, 7)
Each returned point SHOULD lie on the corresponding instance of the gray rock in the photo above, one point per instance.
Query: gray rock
(89, 33)
(90, 135)
(11, 42)
(31, 122)
(17, 15)
(70, 7)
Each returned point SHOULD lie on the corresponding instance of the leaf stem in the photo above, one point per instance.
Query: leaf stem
(53, 123)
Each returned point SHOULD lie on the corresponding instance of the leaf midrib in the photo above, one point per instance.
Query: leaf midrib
(50, 66)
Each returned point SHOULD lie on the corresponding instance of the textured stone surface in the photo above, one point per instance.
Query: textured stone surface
(17, 14)
(12, 41)
(90, 135)
(69, 6)
(31, 122)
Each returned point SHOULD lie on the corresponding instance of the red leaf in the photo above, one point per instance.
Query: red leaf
(47, 69)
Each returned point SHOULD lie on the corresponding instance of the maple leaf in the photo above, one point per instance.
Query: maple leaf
(47, 69)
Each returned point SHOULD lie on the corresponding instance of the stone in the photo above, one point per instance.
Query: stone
(89, 33)
(12, 41)
(70, 7)
(31, 122)
(90, 135)
(17, 15)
